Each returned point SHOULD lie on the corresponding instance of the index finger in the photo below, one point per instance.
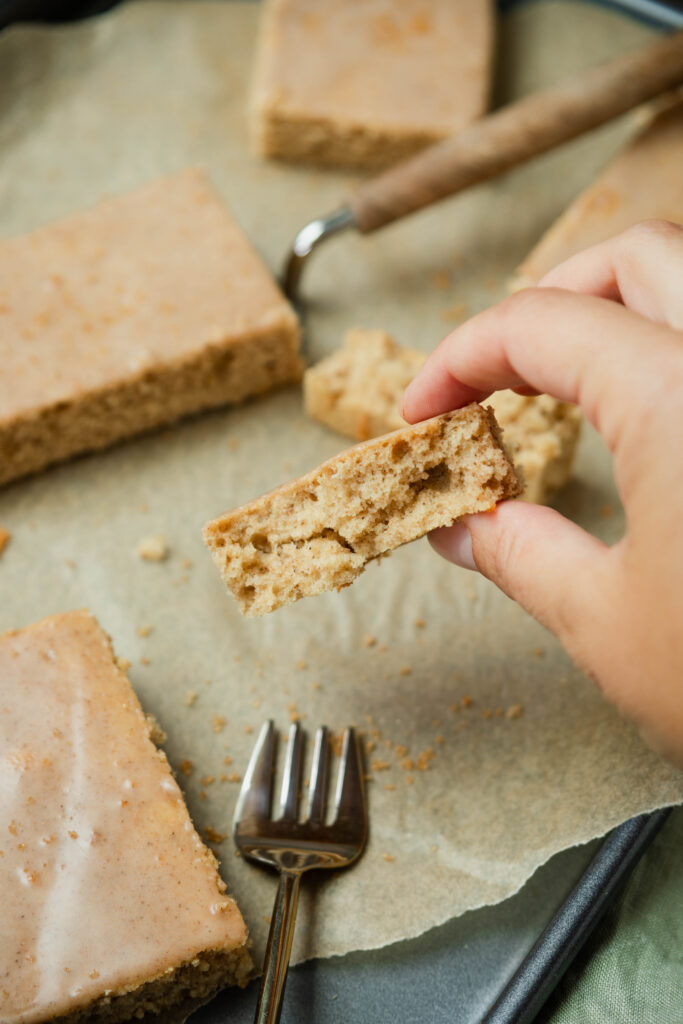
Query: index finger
(577, 348)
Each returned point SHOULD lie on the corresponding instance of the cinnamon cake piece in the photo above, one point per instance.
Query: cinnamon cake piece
(146, 308)
(644, 181)
(348, 83)
(358, 389)
(112, 907)
(319, 532)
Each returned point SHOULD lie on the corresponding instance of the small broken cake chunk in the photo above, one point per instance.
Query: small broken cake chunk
(357, 391)
(319, 532)
(112, 906)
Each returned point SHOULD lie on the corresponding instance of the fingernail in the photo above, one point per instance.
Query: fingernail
(455, 544)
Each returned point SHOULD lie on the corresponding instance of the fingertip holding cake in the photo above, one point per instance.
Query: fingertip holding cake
(319, 532)
(112, 905)
(351, 84)
(357, 391)
(148, 307)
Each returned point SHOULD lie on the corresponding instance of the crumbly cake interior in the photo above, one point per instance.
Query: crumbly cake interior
(148, 307)
(319, 532)
(112, 905)
(357, 391)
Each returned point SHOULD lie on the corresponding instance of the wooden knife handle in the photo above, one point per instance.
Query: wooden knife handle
(521, 130)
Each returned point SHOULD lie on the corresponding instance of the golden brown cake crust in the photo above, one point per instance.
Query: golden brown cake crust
(347, 83)
(149, 307)
(318, 533)
(358, 389)
(112, 905)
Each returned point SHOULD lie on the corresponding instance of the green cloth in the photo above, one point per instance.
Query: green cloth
(631, 971)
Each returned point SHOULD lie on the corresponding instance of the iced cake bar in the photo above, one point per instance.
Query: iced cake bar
(645, 180)
(358, 389)
(129, 315)
(111, 904)
(319, 532)
(354, 84)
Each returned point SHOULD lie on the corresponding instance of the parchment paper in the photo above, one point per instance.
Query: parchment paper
(99, 107)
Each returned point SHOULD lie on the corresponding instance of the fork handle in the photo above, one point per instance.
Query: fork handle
(278, 949)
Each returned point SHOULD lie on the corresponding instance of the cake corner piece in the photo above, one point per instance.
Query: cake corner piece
(319, 532)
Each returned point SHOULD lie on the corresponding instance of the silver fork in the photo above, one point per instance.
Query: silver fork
(292, 847)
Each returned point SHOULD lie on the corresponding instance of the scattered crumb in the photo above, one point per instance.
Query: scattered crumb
(405, 670)
(153, 549)
(441, 280)
(144, 630)
(202, 794)
(433, 849)
(388, 857)
(156, 733)
(436, 723)
(213, 836)
(187, 766)
(439, 739)
(486, 712)
(233, 444)
(207, 780)
(538, 652)
(123, 664)
(367, 778)
(424, 758)
(4, 538)
(207, 682)
(186, 563)
(336, 743)
(466, 702)
(408, 764)
(227, 759)
(69, 563)
(316, 685)
(409, 780)
(301, 664)
(370, 746)
(383, 648)
(190, 697)
(94, 974)
(420, 623)
(389, 786)
(222, 777)
(514, 711)
(144, 507)
(370, 640)
(248, 729)
(234, 777)
(606, 511)
(218, 723)
(456, 312)
(236, 657)
(498, 712)
(145, 661)
(401, 751)
(454, 707)
(388, 744)
(380, 766)
(256, 703)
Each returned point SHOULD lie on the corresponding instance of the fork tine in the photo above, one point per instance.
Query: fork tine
(319, 771)
(289, 799)
(350, 797)
(255, 794)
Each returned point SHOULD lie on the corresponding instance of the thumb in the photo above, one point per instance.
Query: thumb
(546, 563)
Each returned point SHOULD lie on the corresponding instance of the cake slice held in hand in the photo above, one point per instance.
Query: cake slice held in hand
(319, 532)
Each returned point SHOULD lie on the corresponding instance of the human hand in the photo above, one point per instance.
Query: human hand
(603, 330)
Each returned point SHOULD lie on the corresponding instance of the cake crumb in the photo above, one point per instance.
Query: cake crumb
(606, 511)
(213, 836)
(405, 670)
(145, 661)
(458, 311)
(498, 712)
(389, 786)
(383, 648)
(227, 759)
(441, 280)
(190, 697)
(370, 640)
(514, 711)
(123, 664)
(433, 848)
(419, 623)
(249, 729)
(218, 722)
(301, 664)
(186, 563)
(454, 707)
(144, 630)
(153, 549)
(316, 685)
(408, 764)
(234, 777)
(439, 739)
(539, 652)
(207, 780)
(187, 766)
(5, 536)
(401, 750)
(389, 857)
(466, 701)
(486, 712)
(409, 780)
(380, 766)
